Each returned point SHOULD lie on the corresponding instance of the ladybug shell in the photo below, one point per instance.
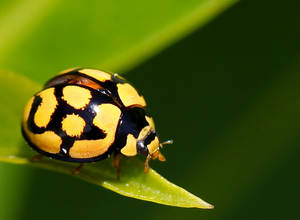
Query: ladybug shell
(85, 115)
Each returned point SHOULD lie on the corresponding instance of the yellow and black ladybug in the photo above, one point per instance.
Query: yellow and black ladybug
(85, 115)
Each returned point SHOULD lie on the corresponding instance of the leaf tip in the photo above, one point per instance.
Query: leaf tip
(204, 205)
(210, 206)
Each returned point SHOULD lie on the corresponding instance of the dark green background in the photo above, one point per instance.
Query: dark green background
(229, 96)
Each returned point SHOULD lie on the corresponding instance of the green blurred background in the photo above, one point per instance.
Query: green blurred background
(228, 94)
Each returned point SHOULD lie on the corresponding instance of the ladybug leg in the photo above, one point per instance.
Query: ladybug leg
(36, 158)
(161, 157)
(116, 164)
(146, 169)
(77, 169)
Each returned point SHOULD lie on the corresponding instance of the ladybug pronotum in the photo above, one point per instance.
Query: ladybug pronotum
(86, 115)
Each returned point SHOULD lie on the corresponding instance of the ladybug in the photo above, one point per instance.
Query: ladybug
(86, 115)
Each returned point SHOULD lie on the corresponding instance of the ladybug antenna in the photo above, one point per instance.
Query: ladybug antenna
(166, 142)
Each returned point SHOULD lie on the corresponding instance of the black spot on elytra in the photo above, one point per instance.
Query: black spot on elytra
(90, 132)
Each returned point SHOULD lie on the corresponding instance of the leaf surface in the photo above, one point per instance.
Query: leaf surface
(41, 38)
(15, 90)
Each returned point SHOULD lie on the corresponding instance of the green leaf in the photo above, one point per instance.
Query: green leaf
(15, 90)
(39, 38)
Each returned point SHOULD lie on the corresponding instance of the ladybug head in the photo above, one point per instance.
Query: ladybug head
(147, 142)
(150, 146)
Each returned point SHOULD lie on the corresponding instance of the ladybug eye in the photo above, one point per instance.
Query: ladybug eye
(142, 148)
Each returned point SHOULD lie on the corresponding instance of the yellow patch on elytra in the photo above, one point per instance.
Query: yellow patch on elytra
(153, 146)
(76, 96)
(47, 141)
(107, 119)
(73, 125)
(97, 74)
(43, 114)
(129, 96)
(130, 148)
